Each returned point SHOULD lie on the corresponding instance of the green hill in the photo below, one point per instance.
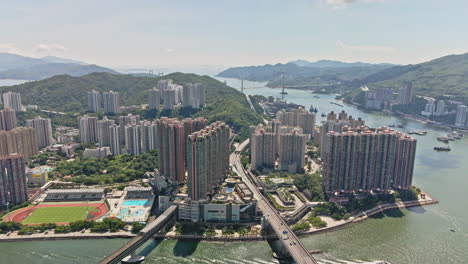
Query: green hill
(446, 76)
(69, 94)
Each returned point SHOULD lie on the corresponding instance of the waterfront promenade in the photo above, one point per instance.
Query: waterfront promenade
(332, 225)
(64, 236)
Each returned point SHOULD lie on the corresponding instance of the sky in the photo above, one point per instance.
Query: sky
(140, 33)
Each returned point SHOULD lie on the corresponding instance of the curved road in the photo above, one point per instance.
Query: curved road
(287, 237)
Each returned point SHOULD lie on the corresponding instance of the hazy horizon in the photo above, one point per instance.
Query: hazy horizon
(214, 33)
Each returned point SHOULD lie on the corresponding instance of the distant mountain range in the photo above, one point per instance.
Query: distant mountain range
(445, 77)
(323, 72)
(335, 64)
(19, 67)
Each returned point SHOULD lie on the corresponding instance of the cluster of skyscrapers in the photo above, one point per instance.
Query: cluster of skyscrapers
(17, 146)
(336, 122)
(283, 139)
(298, 118)
(172, 138)
(379, 98)
(207, 159)
(358, 158)
(131, 134)
(433, 109)
(166, 93)
(170, 95)
(109, 101)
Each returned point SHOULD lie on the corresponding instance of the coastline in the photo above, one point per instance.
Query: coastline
(65, 236)
(88, 235)
(418, 119)
(368, 213)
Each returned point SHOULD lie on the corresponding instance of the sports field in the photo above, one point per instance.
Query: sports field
(58, 214)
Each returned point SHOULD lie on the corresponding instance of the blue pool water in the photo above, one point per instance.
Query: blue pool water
(229, 189)
(128, 212)
(135, 203)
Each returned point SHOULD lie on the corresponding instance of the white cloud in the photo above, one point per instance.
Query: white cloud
(52, 47)
(343, 3)
(365, 48)
(169, 50)
(10, 48)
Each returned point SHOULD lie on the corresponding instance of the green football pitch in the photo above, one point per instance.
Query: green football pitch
(64, 214)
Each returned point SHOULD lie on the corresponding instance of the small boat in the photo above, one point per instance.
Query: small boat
(323, 115)
(443, 139)
(133, 259)
(399, 125)
(451, 138)
(315, 96)
(337, 104)
(419, 133)
(451, 229)
(391, 125)
(442, 148)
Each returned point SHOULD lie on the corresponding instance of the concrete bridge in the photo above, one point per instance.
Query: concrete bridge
(144, 235)
(288, 240)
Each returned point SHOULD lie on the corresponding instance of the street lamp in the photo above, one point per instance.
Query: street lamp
(8, 206)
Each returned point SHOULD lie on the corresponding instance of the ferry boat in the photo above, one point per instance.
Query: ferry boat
(442, 148)
(443, 139)
(419, 133)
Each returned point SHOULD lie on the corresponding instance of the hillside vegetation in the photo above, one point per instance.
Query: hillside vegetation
(69, 94)
(446, 76)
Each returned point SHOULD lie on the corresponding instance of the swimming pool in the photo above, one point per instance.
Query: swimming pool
(135, 203)
(125, 212)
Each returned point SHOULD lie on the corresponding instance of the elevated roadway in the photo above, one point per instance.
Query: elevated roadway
(143, 236)
(288, 239)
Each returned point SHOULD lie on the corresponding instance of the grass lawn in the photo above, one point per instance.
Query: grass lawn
(58, 214)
